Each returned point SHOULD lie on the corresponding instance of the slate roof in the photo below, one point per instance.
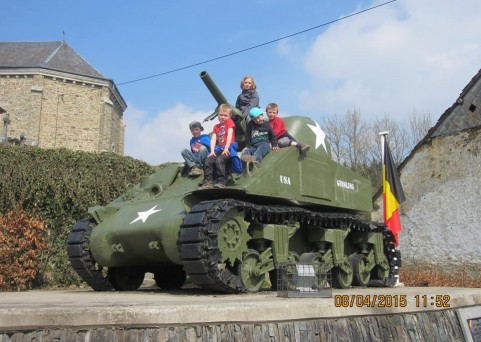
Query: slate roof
(462, 115)
(459, 117)
(57, 56)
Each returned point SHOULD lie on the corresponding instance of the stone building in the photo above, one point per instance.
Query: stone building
(441, 216)
(54, 99)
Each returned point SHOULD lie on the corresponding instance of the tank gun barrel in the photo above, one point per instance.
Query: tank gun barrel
(217, 94)
(209, 83)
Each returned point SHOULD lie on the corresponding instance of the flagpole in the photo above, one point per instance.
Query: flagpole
(384, 135)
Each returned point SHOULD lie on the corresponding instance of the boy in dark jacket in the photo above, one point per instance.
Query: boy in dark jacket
(259, 137)
(249, 98)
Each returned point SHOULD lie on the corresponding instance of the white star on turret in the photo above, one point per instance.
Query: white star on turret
(144, 215)
(320, 135)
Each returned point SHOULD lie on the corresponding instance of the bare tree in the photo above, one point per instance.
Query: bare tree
(356, 143)
(356, 140)
(332, 125)
(349, 137)
(419, 125)
(398, 139)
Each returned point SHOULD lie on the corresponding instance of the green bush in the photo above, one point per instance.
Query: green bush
(58, 186)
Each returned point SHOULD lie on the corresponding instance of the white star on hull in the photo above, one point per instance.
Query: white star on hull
(144, 215)
(320, 135)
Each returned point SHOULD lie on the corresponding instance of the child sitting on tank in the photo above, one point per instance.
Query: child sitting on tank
(284, 139)
(199, 149)
(248, 98)
(222, 148)
(259, 138)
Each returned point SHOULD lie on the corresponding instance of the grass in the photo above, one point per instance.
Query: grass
(437, 276)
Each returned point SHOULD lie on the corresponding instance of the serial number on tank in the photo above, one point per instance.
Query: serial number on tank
(391, 301)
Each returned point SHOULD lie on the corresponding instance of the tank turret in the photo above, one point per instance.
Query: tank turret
(294, 208)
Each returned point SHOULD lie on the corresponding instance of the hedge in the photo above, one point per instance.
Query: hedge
(57, 186)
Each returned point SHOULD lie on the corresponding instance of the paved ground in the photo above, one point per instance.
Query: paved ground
(83, 307)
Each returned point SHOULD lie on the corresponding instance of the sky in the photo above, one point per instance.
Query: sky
(396, 58)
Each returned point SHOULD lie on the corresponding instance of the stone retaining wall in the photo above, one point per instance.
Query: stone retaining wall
(422, 326)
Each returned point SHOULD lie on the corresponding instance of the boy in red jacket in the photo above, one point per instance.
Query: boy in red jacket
(284, 139)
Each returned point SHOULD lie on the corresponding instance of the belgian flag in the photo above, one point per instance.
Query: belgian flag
(393, 194)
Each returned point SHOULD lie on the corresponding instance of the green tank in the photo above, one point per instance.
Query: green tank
(294, 208)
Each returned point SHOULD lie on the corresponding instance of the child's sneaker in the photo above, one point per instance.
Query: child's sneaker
(219, 185)
(247, 157)
(206, 185)
(303, 147)
(195, 171)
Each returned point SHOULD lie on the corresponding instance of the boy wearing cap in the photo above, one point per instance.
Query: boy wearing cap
(199, 149)
(259, 137)
(283, 137)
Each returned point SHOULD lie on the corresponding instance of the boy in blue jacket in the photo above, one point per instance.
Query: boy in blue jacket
(199, 149)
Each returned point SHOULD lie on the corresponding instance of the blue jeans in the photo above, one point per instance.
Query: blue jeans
(258, 151)
(286, 140)
(193, 159)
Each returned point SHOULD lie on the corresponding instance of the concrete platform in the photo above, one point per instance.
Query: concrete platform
(150, 307)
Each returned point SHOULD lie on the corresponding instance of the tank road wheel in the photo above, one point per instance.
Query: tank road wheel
(322, 280)
(292, 257)
(248, 271)
(311, 258)
(341, 279)
(126, 278)
(170, 278)
(378, 273)
(361, 274)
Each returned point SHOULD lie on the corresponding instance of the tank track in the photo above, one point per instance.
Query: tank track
(198, 238)
(82, 261)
